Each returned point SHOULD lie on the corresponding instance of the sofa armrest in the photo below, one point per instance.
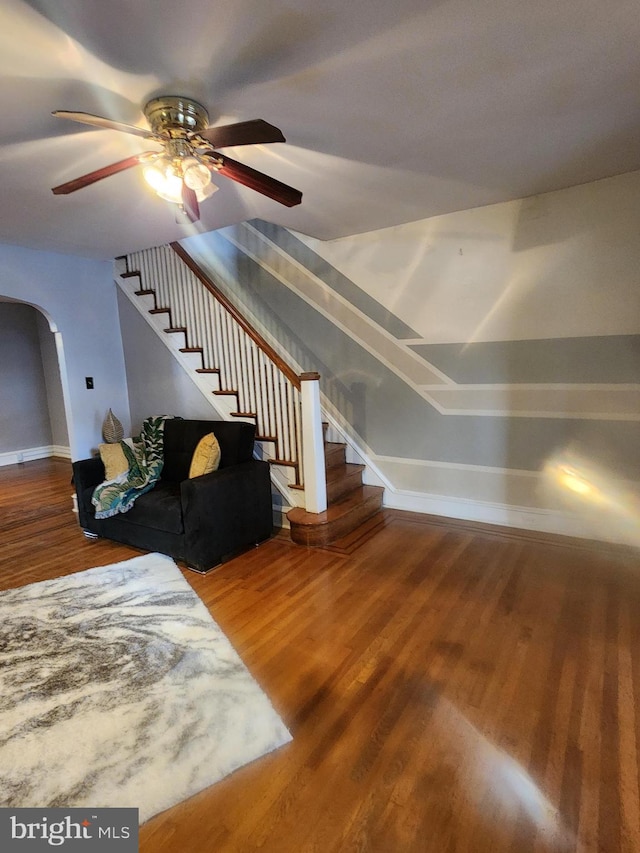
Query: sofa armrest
(226, 511)
(87, 474)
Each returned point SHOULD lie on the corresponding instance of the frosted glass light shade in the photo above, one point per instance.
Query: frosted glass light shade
(196, 175)
(164, 180)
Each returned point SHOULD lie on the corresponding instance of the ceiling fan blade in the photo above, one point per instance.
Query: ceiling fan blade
(98, 175)
(258, 181)
(243, 133)
(99, 121)
(190, 203)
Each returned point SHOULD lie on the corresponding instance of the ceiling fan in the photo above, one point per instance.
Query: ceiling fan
(181, 172)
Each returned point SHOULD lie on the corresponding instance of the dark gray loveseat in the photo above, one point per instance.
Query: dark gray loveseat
(201, 521)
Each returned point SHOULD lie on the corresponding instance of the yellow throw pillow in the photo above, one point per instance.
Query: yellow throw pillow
(114, 460)
(206, 456)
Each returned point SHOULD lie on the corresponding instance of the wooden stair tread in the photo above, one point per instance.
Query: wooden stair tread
(338, 520)
(350, 503)
(337, 510)
(345, 469)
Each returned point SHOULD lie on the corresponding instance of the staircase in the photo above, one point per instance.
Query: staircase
(233, 366)
(228, 360)
(350, 503)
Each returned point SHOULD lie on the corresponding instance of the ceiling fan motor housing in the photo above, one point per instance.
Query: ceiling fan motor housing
(170, 113)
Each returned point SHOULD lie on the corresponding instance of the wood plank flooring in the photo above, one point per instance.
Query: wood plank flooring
(448, 689)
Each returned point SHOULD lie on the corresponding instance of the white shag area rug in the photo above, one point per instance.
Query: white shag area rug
(117, 688)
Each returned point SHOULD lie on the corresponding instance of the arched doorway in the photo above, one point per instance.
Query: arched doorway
(34, 412)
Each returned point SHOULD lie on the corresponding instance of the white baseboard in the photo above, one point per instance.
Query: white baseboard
(28, 454)
(523, 518)
(61, 450)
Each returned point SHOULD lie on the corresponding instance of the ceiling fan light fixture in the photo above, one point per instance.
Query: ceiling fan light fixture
(166, 177)
(195, 174)
(172, 190)
(169, 112)
(207, 192)
(164, 180)
(181, 173)
(154, 173)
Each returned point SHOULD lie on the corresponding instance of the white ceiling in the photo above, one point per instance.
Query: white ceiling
(393, 111)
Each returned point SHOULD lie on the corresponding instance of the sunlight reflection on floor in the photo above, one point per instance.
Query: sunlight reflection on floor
(488, 773)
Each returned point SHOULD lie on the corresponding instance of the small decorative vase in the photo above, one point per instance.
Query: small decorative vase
(112, 430)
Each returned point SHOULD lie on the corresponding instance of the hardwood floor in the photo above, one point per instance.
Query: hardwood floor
(448, 689)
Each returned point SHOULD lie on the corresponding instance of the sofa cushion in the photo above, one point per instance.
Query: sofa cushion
(113, 459)
(160, 509)
(206, 456)
(182, 436)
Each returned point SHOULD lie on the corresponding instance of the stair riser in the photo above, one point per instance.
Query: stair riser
(334, 456)
(338, 488)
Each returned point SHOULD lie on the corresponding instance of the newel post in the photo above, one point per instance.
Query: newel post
(313, 468)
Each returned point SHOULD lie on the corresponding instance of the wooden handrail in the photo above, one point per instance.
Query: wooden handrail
(255, 336)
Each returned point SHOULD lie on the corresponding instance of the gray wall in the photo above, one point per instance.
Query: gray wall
(386, 413)
(24, 407)
(475, 358)
(51, 369)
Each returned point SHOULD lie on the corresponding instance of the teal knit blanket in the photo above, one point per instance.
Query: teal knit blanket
(145, 466)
